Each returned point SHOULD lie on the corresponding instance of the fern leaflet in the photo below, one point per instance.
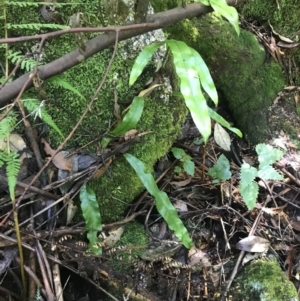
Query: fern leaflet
(36, 26)
(61, 82)
(7, 124)
(12, 169)
(38, 109)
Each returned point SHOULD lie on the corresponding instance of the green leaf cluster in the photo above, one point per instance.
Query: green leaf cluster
(194, 76)
(221, 170)
(267, 155)
(228, 12)
(188, 164)
(163, 204)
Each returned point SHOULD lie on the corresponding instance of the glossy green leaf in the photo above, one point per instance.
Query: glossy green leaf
(267, 154)
(228, 12)
(131, 118)
(219, 119)
(249, 194)
(163, 204)
(91, 214)
(190, 86)
(142, 60)
(206, 80)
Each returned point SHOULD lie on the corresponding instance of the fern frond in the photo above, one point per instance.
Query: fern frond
(36, 26)
(36, 107)
(60, 81)
(13, 165)
(38, 294)
(28, 63)
(7, 124)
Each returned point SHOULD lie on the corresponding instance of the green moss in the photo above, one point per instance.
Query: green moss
(285, 20)
(134, 236)
(264, 280)
(162, 117)
(237, 64)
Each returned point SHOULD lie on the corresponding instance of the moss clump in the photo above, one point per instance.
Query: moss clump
(134, 236)
(264, 281)
(285, 20)
(163, 114)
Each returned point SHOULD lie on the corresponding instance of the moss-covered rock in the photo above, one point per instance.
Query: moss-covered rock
(237, 65)
(264, 281)
(285, 19)
(163, 113)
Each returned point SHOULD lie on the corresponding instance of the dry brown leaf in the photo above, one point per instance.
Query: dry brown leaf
(100, 172)
(130, 134)
(181, 183)
(147, 92)
(196, 256)
(253, 244)
(59, 160)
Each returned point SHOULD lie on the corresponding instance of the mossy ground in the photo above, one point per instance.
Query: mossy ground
(285, 20)
(264, 280)
(162, 117)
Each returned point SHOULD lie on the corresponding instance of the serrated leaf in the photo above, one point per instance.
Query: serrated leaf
(206, 80)
(269, 173)
(190, 86)
(163, 204)
(248, 174)
(142, 60)
(219, 119)
(178, 152)
(222, 138)
(189, 167)
(267, 154)
(249, 194)
(92, 217)
(228, 12)
(221, 170)
(132, 117)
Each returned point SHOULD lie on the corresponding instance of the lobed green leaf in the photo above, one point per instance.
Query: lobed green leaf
(221, 170)
(163, 204)
(142, 60)
(190, 86)
(219, 119)
(206, 80)
(131, 118)
(267, 154)
(228, 12)
(249, 194)
(248, 174)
